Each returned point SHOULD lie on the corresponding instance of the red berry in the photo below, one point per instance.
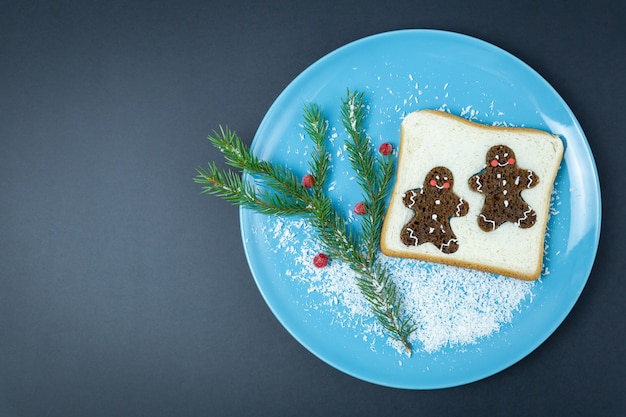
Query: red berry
(308, 181)
(360, 208)
(320, 260)
(385, 149)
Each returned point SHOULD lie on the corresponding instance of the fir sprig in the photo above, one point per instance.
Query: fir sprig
(374, 175)
(316, 126)
(238, 155)
(374, 172)
(280, 193)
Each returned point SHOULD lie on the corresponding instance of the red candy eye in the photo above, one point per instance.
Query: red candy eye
(511, 161)
(433, 183)
(494, 163)
(446, 185)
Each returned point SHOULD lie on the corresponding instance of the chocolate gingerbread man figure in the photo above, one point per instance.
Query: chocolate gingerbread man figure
(433, 205)
(502, 183)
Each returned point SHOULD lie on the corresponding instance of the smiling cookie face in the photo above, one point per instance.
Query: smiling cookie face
(439, 178)
(500, 156)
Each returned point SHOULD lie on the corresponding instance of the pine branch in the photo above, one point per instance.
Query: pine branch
(280, 193)
(232, 188)
(381, 292)
(316, 127)
(364, 163)
(335, 237)
(238, 155)
(374, 282)
(374, 217)
(353, 113)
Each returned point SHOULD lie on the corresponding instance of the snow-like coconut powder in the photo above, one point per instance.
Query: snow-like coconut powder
(451, 306)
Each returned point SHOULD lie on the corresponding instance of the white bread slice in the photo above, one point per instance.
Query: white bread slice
(431, 138)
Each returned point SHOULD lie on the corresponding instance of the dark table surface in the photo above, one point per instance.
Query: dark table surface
(124, 292)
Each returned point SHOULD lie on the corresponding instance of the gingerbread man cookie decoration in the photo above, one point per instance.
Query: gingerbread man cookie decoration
(502, 183)
(434, 204)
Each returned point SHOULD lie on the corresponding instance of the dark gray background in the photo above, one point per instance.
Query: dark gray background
(124, 292)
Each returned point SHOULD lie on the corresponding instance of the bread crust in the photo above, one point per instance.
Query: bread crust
(523, 263)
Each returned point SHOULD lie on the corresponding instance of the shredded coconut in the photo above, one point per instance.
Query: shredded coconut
(451, 306)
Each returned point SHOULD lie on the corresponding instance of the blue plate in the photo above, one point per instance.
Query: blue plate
(400, 72)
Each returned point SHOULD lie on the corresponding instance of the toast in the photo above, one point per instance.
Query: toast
(471, 195)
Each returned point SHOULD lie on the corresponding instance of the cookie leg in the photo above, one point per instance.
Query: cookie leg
(526, 219)
(486, 223)
(408, 236)
(444, 238)
(449, 246)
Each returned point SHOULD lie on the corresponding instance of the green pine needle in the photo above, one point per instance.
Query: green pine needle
(272, 189)
(374, 175)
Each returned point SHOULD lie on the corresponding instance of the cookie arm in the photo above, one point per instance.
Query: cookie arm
(526, 178)
(462, 208)
(411, 197)
(533, 179)
(476, 183)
